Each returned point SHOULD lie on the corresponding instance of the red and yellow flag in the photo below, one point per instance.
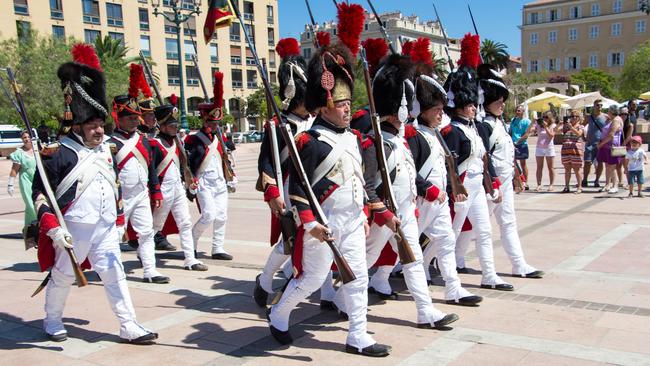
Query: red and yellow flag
(219, 15)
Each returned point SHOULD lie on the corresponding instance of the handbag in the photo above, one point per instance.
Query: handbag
(618, 151)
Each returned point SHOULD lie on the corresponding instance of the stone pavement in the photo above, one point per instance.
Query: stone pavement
(593, 307)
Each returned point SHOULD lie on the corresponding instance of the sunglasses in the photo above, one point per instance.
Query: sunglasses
(598, 105)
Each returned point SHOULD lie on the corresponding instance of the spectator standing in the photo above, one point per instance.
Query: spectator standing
(635, 158)
(545, 150)
(595, 122)
(612, 136)
(572, 149)
(518, 130)
(24, 165)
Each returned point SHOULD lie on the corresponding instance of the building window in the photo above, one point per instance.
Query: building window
(58, 32)
(143, 14)
(214, 53)
(271, 35)
(616, 6)
(235, 55)
(533, 18)
(20, 7)
(56, 9)
(117, 36)
(573, 34)
(615, 59)
(573, 63)
(552, 36)
(553, 15)
(640, 26)
(250, 29)
(90, 35)
(114, 15)
(551, 65)
(365, 27)
(173, 75)
(595, 10)
(574, 12)
(213, 70)
(236, 77)
(533, 39)
(187, 4)
(171, 49)
(306, 53)
(533, 66)
(190, 27)
(616, 29)
(170, 27)
(23, 29)
(250, 60)
(249, 11)
(91, 11)
(192, 76)
(145, 45)
(272, 59)
(273, 77)
(593, 31)
(251, 79)
(189, 50)
(234, 32)
(269, 14)
(593, 60)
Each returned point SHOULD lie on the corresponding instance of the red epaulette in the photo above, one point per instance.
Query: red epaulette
(360, 113)
(302, 139)
(267, 125)
(445, 130)
(409, 131)
(366, 142)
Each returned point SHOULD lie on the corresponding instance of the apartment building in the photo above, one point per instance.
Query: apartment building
(134, 23)
(565, 36)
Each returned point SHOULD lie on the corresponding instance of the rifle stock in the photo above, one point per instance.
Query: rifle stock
(344, 268)
(487, 180)
(404, 250)
(456, 185)
(78, 273)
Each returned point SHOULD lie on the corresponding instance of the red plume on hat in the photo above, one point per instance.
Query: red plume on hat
(407, 47)
(469, 51)
(173, 100)
(324, 39)
(288, 47)
(83, 53)
(218, 89)
(136, 75)
(350, 25)
(421, 52)
(376, 49)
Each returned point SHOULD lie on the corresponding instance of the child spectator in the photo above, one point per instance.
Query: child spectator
(636, 159)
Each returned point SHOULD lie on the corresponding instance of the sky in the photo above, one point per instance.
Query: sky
(495, 19)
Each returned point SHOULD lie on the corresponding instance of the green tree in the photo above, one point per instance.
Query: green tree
(635, 78)
(440, 67)
(495, 53)
(112, 56)
(359, 94)
(256, 102)
(591, 80)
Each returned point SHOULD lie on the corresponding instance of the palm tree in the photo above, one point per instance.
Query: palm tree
(440, 67)
(495, 53)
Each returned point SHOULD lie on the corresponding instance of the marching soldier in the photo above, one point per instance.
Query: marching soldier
(83, 173)
(166, 155)
(205, 158)
(293, 84)
(435, 219)
(393, 91)
(469, 145)
(331, 157)
(137, 174)
(495, 93)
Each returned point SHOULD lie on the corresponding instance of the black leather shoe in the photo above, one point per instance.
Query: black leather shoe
(383, 296)
(222, 256)
(196, 254)
(327, 305)
(259, 295)
(58, 337)
(462, 270)
(440, 324)
(375, 350)
(500, 287)
(197, 267)
(533, 274)
(156, 279)
(133, 243)
(143, 340)
(162, 243)
(471, 300)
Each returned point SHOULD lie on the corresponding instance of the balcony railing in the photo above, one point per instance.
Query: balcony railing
(172, 55)
(171, 29)
(271, 42)
(235, 60)
(147, 53)
(235, 37)
(114, 22)
(250, 61)
(249, 16)
(214, 59)
(270, 20)
(237, 84)
(91, 19)
(21, 9)
(144, 26)
(192, 82)
(251, 84)
(56, 14)
(173, 81)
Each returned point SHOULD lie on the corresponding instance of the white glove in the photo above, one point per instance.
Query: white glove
(10, 186)
(494, 197)
(120, 232)
(60, 237)
(460, 205)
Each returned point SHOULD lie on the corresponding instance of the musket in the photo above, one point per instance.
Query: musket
(475, 29)
(516, 179)
(344, 268)
(49, 193)
(188, 177)
(404, 250)
(382, 28)
(456, 185)
(312, 26)
(444, 34)
(228, 172)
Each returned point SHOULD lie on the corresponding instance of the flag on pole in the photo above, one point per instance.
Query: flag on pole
(219, 15)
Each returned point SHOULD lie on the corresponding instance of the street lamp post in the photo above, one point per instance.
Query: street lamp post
(178, 18)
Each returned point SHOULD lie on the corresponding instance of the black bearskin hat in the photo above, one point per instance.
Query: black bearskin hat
(336, 61)
(462, 89)
(492, 84)
(292, 74)
(428, 90)
(392, 80)
(84, 86)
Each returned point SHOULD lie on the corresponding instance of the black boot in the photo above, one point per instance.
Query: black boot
(375, 350)
(162, 243)
(259, 294)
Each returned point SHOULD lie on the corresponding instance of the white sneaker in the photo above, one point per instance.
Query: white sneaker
(613, 190)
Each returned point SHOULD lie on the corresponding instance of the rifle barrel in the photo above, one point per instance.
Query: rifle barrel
(444, 34)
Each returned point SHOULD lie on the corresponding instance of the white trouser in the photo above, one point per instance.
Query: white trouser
(317, 260)
(174, 201)
(99, 243)
(213, 200)
(137, 211)
(476, 209)
(416, 280)
(435, 223)
(506, 218)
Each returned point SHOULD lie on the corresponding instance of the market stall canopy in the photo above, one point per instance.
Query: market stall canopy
(583, 100)
(645, 96)
(539, 103)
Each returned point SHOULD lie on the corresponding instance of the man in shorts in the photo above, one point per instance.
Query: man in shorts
(595, 122)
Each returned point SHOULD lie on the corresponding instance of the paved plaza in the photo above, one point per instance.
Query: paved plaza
(593, 306)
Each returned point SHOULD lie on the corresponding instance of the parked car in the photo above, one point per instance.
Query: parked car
(238, 137)
(9, 139)
(254, 136)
